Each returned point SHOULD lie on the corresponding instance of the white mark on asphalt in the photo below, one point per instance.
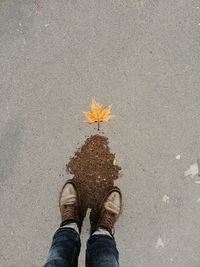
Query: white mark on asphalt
(165, 199)
(46, 25)
(159, 243)
(198, 200)
(192, 171)
(197, 182)
(178, 156)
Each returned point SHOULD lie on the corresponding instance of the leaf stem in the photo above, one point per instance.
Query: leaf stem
(98, 125)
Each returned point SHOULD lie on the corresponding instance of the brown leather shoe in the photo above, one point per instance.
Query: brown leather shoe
(70, 208)
(108, 213)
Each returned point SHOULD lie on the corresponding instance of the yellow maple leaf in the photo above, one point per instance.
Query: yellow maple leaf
(98, 113)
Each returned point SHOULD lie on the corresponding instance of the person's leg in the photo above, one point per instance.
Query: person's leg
(64, 249)
(65, 246)
(101, 247)
(102, 251)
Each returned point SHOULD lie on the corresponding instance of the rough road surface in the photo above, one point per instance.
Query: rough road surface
(142, 56)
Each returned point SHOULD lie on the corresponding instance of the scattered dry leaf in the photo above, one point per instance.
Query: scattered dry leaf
(114, 162)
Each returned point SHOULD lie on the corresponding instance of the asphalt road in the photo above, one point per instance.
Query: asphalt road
(141, 56)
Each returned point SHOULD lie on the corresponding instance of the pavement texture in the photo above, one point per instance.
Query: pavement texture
(144, 58)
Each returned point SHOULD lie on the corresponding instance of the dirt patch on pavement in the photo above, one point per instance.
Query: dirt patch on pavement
(94, 170)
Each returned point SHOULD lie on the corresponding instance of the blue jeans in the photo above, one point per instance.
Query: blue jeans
(65, 248)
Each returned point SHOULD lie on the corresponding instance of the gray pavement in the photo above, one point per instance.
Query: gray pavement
(143, 56)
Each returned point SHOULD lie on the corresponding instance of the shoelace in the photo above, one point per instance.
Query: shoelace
(108, 220)
(69, 211)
